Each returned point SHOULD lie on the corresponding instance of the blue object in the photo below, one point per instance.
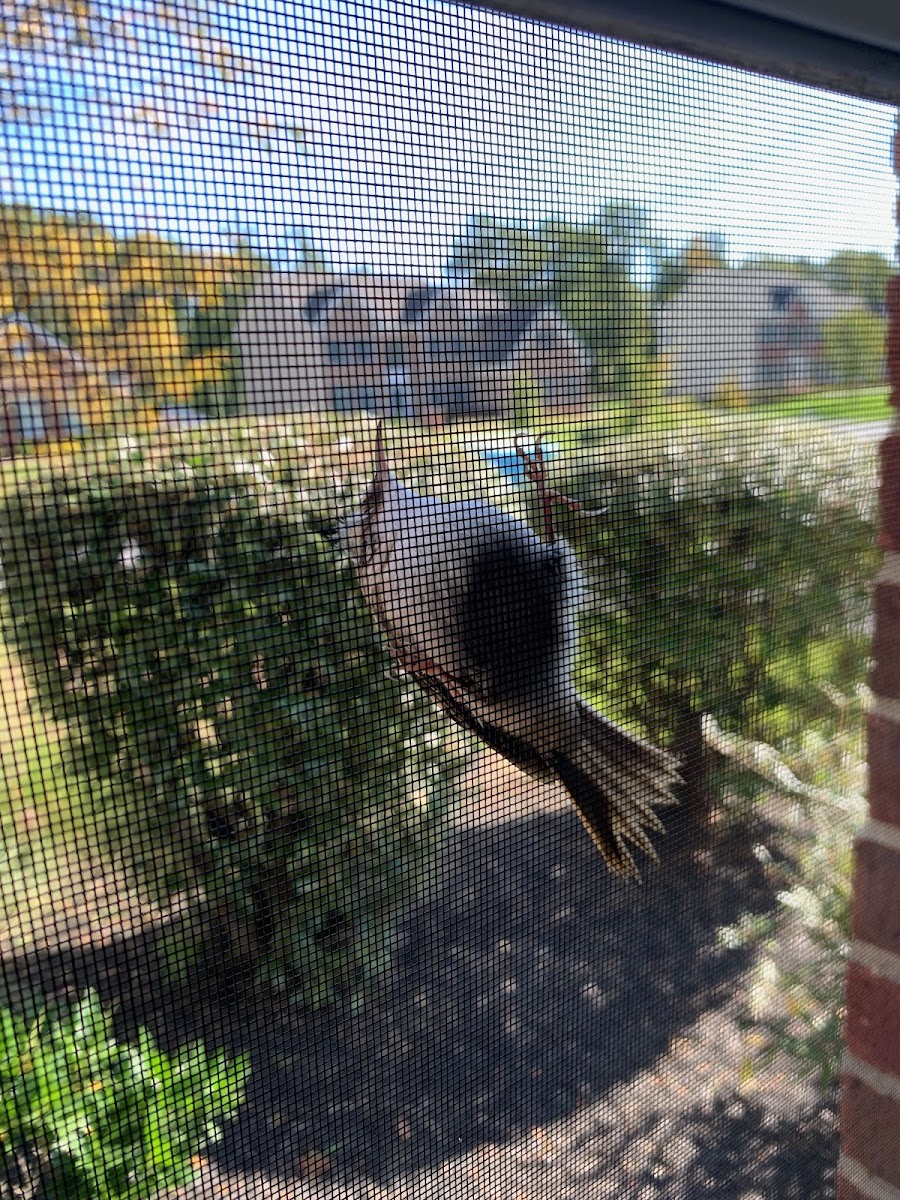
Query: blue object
(182, 415)
(507, 461)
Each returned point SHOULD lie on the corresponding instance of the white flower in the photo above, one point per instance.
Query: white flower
(130, 555)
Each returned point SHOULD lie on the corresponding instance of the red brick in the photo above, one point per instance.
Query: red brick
(876, 886)
(869, 1125)
(884, 769)
(846, 1190)
(892, 341)
(889, 488)
(873, 1019)
(886, 642)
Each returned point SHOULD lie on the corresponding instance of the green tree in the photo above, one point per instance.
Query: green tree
(676, 265)
(862, 273)
(853, 343)
(588, 271)
(505, 256)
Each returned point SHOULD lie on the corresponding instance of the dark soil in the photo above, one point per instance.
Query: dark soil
(548, 1032)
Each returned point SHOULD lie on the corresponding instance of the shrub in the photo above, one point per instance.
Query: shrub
(795, 1003)
(832, 758)
(853, 344)
(227, 693)
(85, 1117)
(527, 398)
(730, 572)
(728, 393)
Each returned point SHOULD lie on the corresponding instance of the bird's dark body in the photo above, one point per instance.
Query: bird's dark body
(511, 615)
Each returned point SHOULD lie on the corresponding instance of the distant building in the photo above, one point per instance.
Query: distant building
(401, 346)
(757, 330)
(39, 375)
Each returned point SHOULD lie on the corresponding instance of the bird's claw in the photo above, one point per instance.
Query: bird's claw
(535, 471)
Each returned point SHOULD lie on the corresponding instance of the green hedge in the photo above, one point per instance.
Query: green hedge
(730, 573)
(86, 1117)
(227, 694)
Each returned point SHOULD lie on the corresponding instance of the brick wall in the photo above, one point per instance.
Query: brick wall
(870, 1092)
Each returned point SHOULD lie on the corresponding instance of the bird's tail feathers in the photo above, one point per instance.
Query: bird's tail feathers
(616, 781)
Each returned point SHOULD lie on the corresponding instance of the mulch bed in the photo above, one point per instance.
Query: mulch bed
(548, 1032)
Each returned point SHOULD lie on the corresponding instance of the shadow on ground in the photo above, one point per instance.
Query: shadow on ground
(742, 1151)
(529, 986)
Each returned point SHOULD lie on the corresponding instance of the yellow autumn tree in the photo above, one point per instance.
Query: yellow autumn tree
(161, 293)
(152, 350)
(703, 253)
(136, 313)
(100, 45)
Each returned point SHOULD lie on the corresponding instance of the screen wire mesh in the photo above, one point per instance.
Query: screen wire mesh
(420, 427)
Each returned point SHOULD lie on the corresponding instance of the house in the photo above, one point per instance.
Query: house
(39, 376)
(753, 329)
(402, 346)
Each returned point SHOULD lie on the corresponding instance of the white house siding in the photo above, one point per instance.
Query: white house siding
(710, 331)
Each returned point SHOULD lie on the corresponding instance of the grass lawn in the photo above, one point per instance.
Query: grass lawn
(859, 404)
(58, 886)
(610, 419)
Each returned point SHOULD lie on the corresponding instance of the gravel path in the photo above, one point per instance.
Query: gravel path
(550, 1034)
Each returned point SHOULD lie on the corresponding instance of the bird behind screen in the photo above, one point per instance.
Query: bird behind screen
(481, 613)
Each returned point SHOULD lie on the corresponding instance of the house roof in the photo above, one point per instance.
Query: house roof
(498, 334)
(749, 280)
(41, 339)
(492, 327)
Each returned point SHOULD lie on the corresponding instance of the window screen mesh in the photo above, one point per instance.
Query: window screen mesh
(387, 392)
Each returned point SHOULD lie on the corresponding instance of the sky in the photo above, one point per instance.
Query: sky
(416, 115)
